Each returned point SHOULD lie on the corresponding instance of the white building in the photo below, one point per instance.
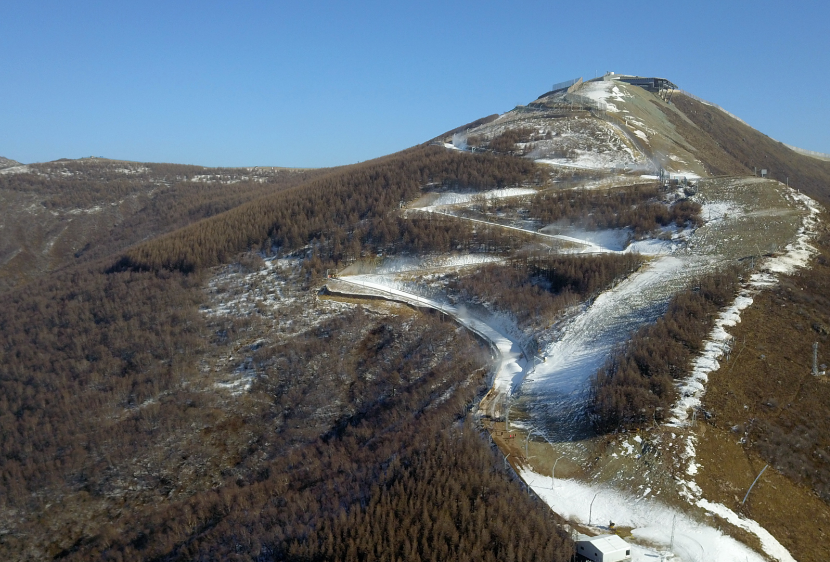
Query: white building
(602, 548)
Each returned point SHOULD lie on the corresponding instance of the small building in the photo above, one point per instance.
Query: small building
(602, 548)
(653, 84)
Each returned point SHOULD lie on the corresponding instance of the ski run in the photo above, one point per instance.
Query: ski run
(553, 382)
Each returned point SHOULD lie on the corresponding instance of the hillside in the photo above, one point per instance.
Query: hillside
(741, 149)
(585, 309)
(72, 211)
(7, 163)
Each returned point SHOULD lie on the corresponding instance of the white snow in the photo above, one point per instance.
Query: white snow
(652, 247)
(511, 362)
(770, 545)
(404, 264)
(587, 160)
(588, 246)
(467, 259)
(684, 174)
(650, 519)
(612, 240)
(603, 92)
(798, 253)
(453, 198)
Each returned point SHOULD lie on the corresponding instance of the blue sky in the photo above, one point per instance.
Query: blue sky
(328, 83)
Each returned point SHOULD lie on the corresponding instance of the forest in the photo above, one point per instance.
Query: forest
(535, 288)
(119, 421)
(116, 445)
(636, 387)
(341, 212)
(637, 207)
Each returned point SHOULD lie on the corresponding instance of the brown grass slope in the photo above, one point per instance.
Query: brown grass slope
(766, 406)
(729, 147)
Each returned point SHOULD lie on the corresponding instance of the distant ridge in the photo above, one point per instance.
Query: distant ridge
(8, 163)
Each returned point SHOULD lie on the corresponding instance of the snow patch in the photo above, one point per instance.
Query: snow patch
(453, 198)
(512, 363)
(613, 240)
(650, 520)
(770, 545)
(587, 160)
(402, 265)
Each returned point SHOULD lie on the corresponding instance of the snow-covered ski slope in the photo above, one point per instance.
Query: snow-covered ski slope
(745, 218)
(659, 532)
(556, 392)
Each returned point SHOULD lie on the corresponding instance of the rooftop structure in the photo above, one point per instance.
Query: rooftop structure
(603, 548)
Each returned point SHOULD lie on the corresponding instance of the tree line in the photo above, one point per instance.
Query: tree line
(636, 386)
(637, 207)
(536, 287)
(332, 208)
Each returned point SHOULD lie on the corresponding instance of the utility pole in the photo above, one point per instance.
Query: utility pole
(591, 508)
(815, 359)
(507, 413)
(553, 473)
(753, 483)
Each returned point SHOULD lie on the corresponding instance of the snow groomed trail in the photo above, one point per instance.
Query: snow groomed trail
(555, 394)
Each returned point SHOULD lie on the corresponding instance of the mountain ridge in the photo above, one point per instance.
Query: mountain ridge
(8, 163)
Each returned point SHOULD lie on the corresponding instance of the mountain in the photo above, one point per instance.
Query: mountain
(588, 308)
(7, 163)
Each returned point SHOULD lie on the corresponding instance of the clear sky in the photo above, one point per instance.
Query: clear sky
(326, 83)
